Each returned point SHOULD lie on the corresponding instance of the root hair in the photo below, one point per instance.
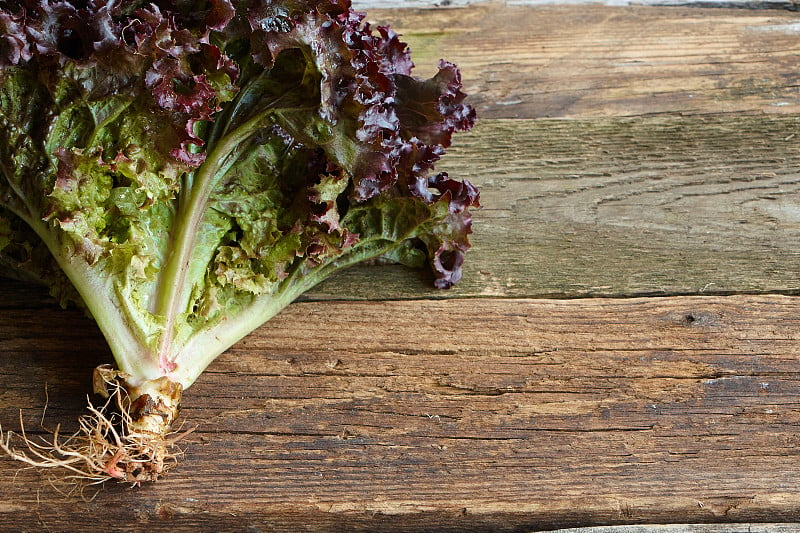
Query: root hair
(106, 446)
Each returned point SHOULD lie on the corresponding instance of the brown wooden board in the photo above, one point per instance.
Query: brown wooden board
(487, 415)
(620, 206)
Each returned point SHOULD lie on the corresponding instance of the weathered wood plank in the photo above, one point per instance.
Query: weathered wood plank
(480, 415)
(620, 206)
(590, 60)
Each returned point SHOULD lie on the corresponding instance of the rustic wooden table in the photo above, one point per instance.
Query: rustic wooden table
(624, 348)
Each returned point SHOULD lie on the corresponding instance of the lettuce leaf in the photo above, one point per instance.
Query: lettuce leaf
(186, 169)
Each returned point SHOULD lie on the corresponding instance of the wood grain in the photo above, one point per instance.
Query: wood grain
(620, 206)
(421, 415)
(590, 60)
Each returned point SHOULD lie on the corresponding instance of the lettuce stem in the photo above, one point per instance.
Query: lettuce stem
(174, 287)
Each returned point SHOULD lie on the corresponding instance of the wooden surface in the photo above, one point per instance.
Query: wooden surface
(624, 348)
